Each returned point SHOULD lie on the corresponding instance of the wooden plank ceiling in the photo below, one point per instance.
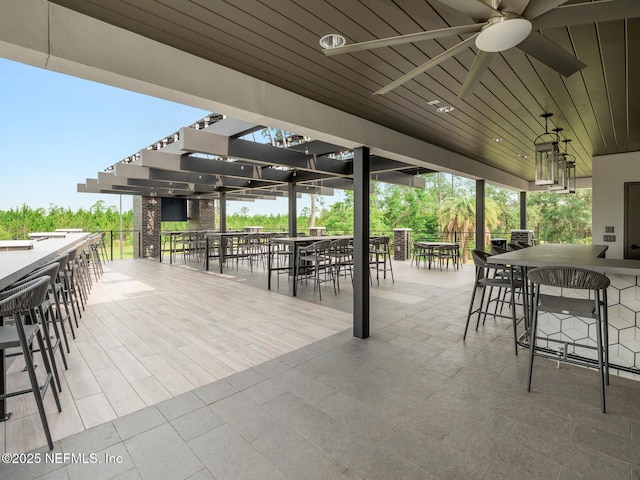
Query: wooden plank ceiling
(277, 41)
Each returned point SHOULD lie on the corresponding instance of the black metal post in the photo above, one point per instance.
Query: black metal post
(111, 245)
(293, 210)
(523, 210)
(223, 212)
(361, 182)
(480, 215)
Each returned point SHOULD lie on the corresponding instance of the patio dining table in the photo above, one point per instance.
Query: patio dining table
(294, 244)
(223, 242)
(17, 264)
(434, 247)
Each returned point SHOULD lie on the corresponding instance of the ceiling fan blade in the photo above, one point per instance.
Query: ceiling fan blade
(402, 39)
(475, 9)
(480, 64)
(551, 54)
(540, 7)
(514, 6)
(426, 66)
(582, 13)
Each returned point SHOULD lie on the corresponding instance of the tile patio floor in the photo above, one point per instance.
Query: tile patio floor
(411, 402)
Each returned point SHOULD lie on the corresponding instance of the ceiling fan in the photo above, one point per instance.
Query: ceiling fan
(501, 25)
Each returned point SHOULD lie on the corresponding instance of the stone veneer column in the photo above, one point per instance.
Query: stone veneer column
(202, 214)
(146, 224)
(317, 231)
(524, 236)
(401, 243)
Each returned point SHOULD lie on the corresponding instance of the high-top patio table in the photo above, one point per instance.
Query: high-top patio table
(433, 247)
(172, 237)
(17, 264)
(294, 244)
(549, 254)
(591, 257)
(223, 239)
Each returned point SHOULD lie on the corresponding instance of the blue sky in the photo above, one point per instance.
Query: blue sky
(58, 130)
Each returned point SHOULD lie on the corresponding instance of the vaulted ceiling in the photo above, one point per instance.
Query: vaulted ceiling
(598, 107)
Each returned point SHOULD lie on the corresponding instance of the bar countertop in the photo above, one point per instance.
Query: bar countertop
(583, 256)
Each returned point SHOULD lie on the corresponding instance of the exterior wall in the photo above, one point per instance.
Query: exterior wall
(146, 220)
(202, 215)
(610, 173)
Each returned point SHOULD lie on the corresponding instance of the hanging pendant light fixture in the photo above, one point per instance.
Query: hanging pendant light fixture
(569, 169)
(571, 176)
(560, 174)
(547, 152)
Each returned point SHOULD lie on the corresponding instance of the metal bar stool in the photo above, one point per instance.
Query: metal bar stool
(558, 302)
(493, 276)
(380, 257)
(315, 261)
(21, 302)
(422, 252)
(341, 253)
(61, 294)
(46, 315)
(70, 287)
(75, 282)
(80, 273)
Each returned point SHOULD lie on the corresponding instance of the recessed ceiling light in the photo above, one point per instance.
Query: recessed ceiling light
(433, 102)
(522, 155)
(445, 109)
(497, 139)
(332, 40)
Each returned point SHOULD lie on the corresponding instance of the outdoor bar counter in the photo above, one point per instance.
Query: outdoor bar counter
(623, 297)
(16, 264)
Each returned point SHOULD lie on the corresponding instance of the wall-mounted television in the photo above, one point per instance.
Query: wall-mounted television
(173, 209)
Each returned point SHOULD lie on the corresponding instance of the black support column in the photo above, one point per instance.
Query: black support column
(480, 215)
(361, 182)
(523, 210)
(223, 211)
(293, 210)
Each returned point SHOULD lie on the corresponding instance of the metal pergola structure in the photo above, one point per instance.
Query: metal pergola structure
(216, 155)
(213, 159)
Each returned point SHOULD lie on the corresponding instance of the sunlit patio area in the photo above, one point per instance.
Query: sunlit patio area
(181, 373)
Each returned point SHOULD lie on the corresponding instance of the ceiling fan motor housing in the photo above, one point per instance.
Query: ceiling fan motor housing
(503, 32)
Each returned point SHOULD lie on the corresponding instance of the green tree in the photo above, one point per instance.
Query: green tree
(561, 218)
(457, 216)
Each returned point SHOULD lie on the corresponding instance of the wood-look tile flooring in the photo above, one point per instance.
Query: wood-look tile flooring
(151, 332)
(413, 401)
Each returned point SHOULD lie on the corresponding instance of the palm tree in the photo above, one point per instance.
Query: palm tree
(458, 215)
